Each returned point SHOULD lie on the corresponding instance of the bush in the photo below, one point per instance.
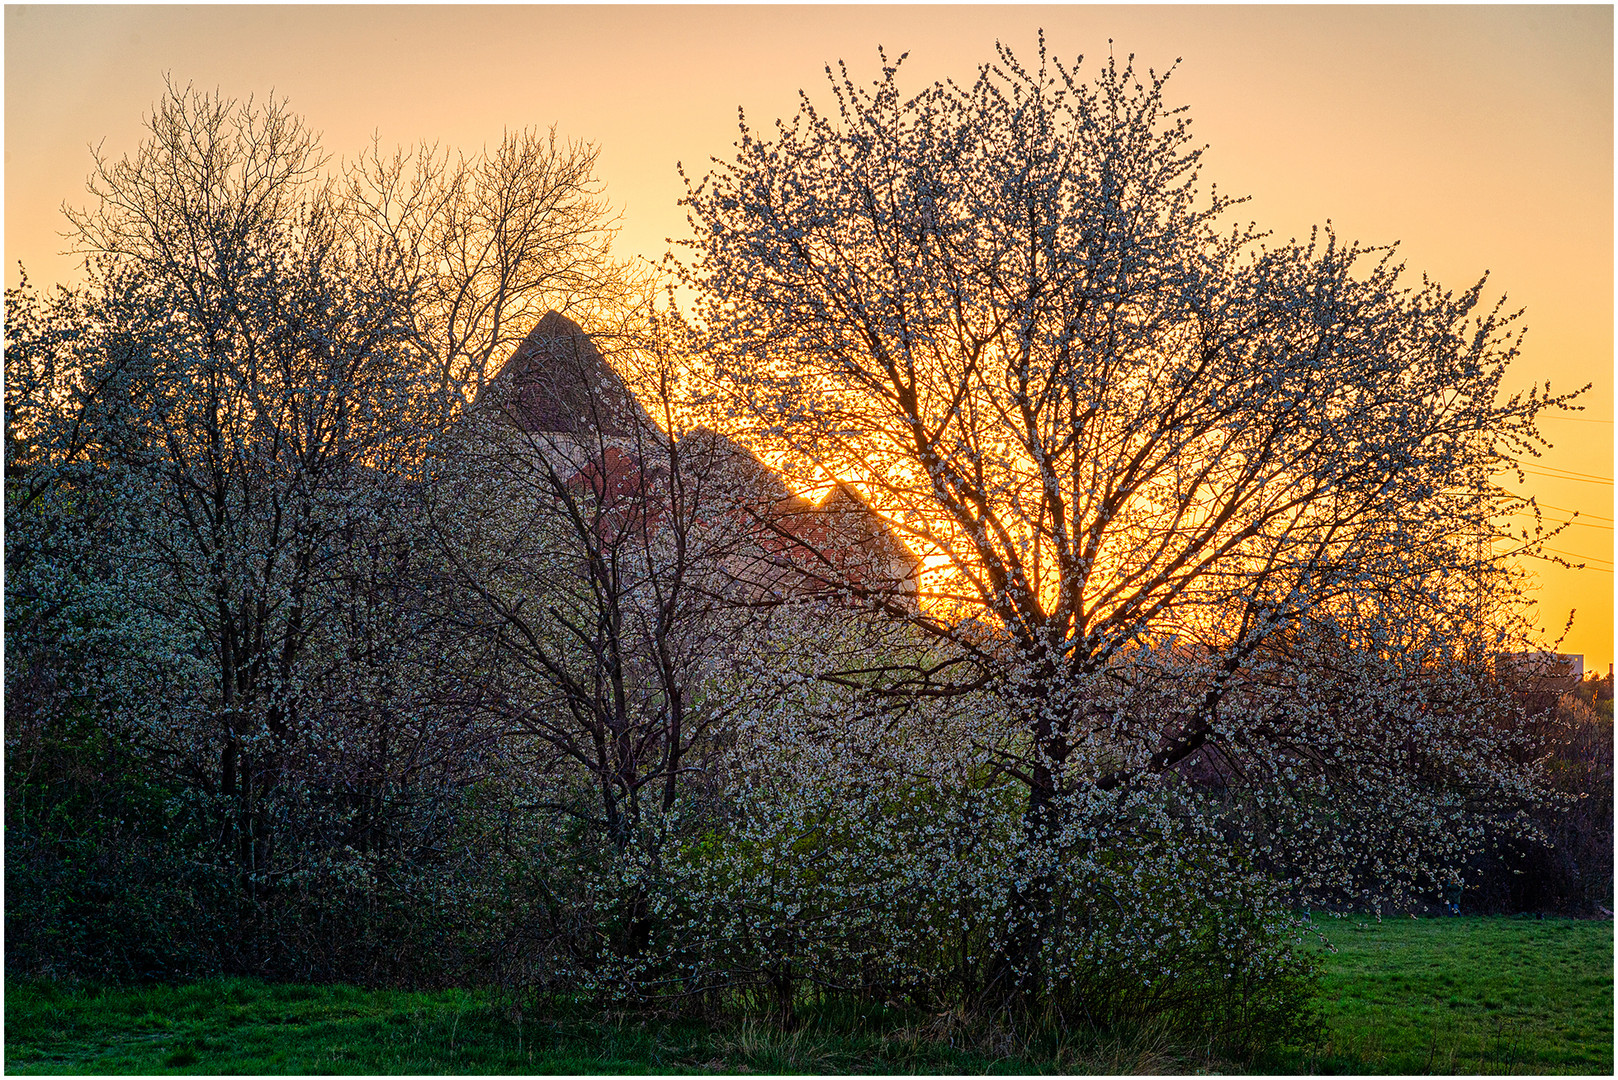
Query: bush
(1568, 870)
(859, 854)
(115, 873)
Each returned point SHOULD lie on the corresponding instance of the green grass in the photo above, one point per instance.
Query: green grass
(245, 1026)
(1465, 995)
(1401, 996)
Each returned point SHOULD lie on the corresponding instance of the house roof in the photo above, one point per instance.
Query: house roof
(740, 478)
(557, 381)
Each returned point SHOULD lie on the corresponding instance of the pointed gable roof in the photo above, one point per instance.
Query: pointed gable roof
(857, 531)
(733, 475)
(558, 382)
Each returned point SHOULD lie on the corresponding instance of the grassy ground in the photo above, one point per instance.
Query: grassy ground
(1466, 995)
(244, 1026)
(1451, 995)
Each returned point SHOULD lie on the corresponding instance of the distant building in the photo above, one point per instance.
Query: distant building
(1540, 672)
(567, 404)
(797, 548)
(557, 383)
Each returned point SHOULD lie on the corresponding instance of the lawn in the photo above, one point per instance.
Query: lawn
(1401, 996)
(1466, 995)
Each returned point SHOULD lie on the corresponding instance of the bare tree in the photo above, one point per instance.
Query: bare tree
(490, 243)
(588, 545)
(588, 540)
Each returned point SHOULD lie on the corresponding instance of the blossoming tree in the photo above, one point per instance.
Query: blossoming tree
(217, 451)
(1202, 507)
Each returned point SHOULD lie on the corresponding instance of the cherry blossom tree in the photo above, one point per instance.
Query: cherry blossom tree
(1187, 490)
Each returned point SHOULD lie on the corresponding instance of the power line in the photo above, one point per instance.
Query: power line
(1570, 510)
(1571, 472)
(1572, 521)
(1580, 477)
(1574, 555)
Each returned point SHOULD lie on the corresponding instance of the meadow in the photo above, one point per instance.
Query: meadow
(1455, 995)
(1465, 995)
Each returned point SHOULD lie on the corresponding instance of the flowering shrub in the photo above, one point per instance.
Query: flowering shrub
(864, 851)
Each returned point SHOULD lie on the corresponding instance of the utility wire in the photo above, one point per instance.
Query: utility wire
(1570, 510)
(1574, 555)
(1569, 472)
(1573, 521)
(1581, 478)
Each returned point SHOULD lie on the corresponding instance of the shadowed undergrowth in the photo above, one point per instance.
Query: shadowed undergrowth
(244, 1026)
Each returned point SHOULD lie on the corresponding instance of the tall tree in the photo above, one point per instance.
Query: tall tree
(490, 243)
(1163, 465)
(248, 376)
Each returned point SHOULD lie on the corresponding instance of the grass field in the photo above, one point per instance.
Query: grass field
(1401, 996)
(1466, 995)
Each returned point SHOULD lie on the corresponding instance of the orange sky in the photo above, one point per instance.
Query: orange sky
(1480, 137)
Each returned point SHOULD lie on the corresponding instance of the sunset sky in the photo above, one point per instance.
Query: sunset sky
(1481, 138)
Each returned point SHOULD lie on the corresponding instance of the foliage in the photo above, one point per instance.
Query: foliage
(220, 594)
(1568, 867)
(101, 859)
(849, 850)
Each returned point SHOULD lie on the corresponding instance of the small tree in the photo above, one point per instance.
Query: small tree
(1185, 488)
(587, 544)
